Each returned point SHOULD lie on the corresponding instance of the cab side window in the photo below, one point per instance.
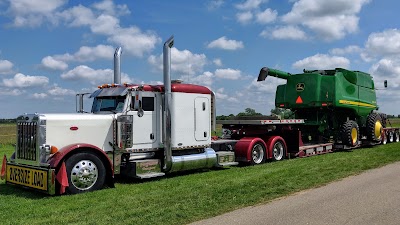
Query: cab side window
(147, 103)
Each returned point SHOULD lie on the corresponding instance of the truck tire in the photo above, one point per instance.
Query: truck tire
(374, 127)
(278, 148)
(350, 133)
(258, 153)
(86, 172)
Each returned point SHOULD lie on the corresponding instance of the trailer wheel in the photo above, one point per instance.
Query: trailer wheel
(277, 148)
(390, 136)
(374, 127)
(350, 133)
(258, 153)
(85, 172)
(396, 137)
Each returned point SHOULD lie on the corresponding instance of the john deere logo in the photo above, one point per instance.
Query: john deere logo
(300, 87)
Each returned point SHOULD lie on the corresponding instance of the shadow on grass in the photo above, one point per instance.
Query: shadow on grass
(21, 192)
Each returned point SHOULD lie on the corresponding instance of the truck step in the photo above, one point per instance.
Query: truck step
(150, 175)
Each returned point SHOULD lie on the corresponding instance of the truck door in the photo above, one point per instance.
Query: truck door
(145, 124)
(202, 119)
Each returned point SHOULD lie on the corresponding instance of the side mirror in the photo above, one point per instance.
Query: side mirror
(385, 83)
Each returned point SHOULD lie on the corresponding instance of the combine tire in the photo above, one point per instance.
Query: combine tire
(374, 127)
(350, 133)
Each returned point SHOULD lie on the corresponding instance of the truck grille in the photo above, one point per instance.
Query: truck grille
(26, 143)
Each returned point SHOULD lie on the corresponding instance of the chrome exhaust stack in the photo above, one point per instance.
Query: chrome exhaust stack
(117, 65)
(167, 103)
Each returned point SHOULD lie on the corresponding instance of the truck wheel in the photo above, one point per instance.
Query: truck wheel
(86, 172)
(374, 127)
(258, 153)
(350, 133)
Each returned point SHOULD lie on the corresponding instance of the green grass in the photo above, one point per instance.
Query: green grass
(395, 122)
(188, 197)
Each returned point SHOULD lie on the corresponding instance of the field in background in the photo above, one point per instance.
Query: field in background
(8, 134)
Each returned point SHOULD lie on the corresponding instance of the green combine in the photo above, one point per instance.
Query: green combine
(337, 105)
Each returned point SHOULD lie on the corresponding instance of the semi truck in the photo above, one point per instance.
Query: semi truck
(143, 131)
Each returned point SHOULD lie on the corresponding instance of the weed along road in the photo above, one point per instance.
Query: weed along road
(372, 197)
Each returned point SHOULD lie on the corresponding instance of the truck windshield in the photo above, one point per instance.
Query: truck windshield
(108, 104)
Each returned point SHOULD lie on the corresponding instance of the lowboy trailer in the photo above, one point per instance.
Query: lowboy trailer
(144, 131)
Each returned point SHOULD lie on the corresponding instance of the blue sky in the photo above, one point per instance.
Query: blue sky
(52, 49)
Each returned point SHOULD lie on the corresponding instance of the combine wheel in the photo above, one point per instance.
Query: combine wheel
(258, 153)
(374, 127)
(86, 172)
(350, 133)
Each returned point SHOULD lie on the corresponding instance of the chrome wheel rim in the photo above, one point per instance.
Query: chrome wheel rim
(278, 150)
(84, 175)
(258, 153)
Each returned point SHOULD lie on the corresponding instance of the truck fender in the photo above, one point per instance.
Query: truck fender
(270, 145)
(244, 146)
(58, 157)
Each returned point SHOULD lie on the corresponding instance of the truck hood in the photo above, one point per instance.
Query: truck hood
(66, 129)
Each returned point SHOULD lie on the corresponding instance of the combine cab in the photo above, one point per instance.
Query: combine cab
(337, 105)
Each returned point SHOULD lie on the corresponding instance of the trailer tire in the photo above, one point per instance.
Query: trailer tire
(258, 153)
(277, 148)
(374, 127)
(396, 137)
(350, 133)
(86, 172)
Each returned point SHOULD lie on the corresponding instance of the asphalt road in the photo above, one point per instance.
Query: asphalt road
(372, 197)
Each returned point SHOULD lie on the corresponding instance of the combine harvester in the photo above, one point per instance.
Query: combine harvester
(145, 131)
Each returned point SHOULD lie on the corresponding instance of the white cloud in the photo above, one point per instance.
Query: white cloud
(250, 4)
(224, 43)
(39, 95)
(229, 74)
(33, 13)
(11, 92)
(21, 81)
(220, 95)
(331, 20)
(108, 7)
(286, 32)
(95, 77)
(58, 91)
(134, 41)
(182, 62)
(351, 49)
(77, 16)
(217, 62)
(244, 17)
(384, 43)
(387, 69)
(6, 67)
(267, 16)
(84, 54)
(50, 63)
(321, 61)
(205, 79)
(268, 86)
(214, 4)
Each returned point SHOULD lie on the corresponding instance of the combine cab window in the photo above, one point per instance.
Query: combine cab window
(108, 104)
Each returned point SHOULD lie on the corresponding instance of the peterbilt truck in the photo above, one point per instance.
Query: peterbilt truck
(144, 131)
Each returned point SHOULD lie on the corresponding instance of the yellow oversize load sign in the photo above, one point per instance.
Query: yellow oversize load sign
(28, 177)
